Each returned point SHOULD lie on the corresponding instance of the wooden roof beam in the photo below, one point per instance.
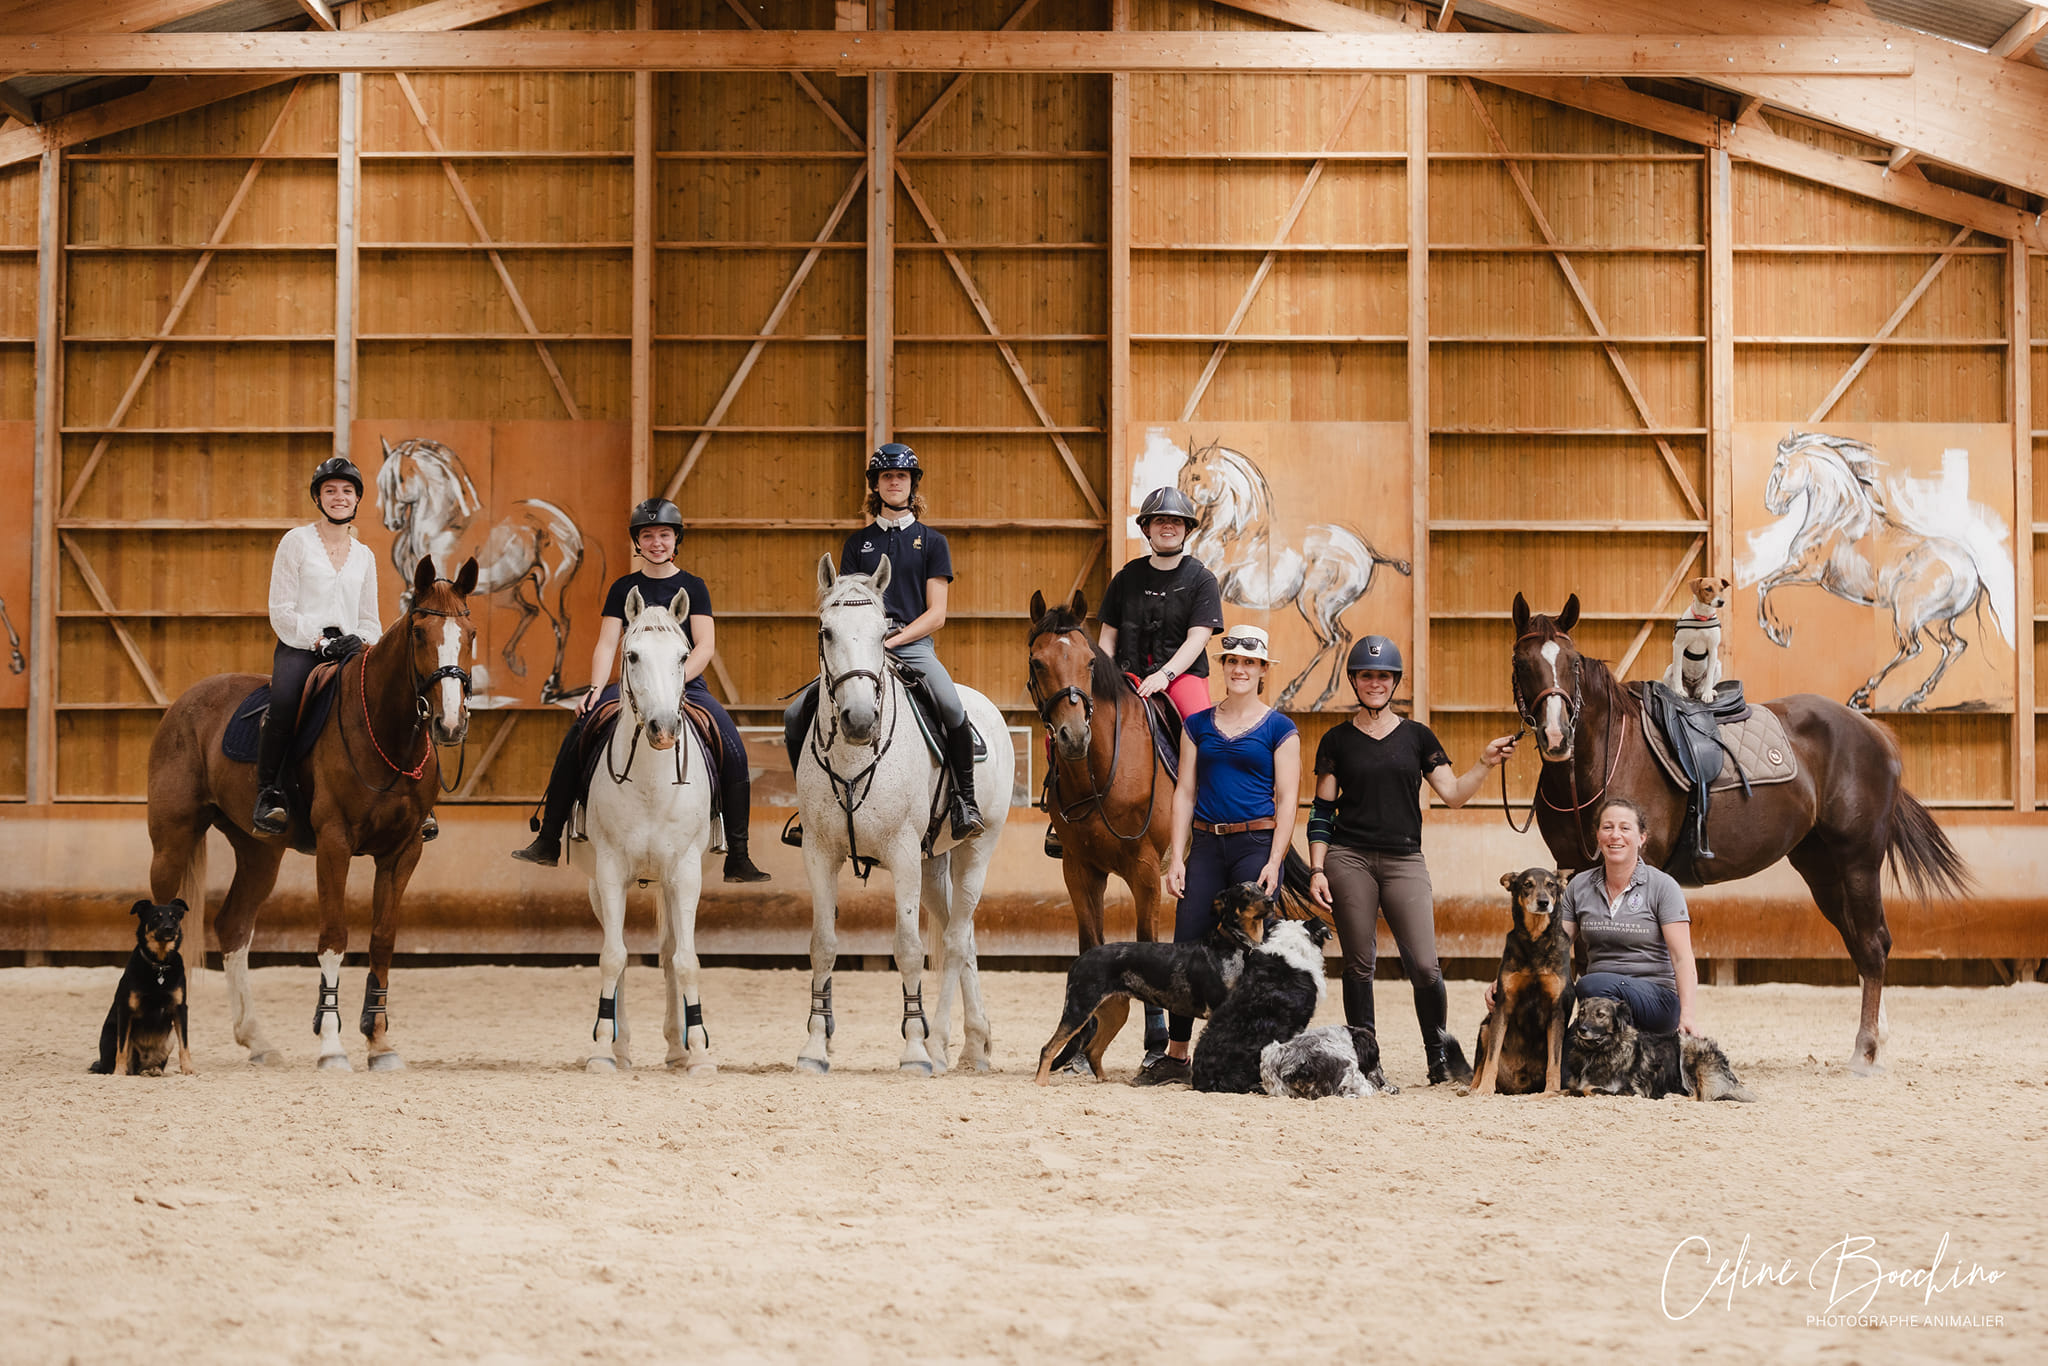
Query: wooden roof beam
(2021, 38)
(1480, 54)
(317, 11)
(1964, 108)
(168, 97)
(17, 104)
(1746, 141)
(97, 16)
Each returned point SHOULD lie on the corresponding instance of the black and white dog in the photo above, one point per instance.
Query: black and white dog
(1273, 1001)
(146, 1023)
(1335, 1060)
(1608, 1055)
(1187, 979)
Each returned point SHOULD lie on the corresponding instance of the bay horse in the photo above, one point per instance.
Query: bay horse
(865, 787)
(1109, 795)
(1838, 821)
(395, 702)
(652, 826)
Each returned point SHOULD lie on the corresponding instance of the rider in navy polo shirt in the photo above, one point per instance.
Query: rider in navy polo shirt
(920, 575)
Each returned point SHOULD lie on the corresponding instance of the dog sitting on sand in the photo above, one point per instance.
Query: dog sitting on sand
(147, 1018)
(1696, 642)
(1273, 1001)
(1610, 1056)
(1521, 1041)
(1335, 1060)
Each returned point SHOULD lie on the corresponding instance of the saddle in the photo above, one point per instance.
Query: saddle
(596, 736)
(923, 706)
(1163, 720)
(1709, 747)
(243, 737)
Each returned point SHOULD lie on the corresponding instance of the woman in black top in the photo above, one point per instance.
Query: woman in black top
(656, 527)
(1161, 608)
(1365, 841)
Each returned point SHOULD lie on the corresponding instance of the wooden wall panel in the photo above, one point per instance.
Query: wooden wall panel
(584, 292)
(178, 203)
(1593, 478)
(126, 294)
(192, 477)
(521, 200)
(237, 126)
(489, 380)
(731, 292)
(1296, 382)
(1262, 114)
(1587, 203)
(276, 386)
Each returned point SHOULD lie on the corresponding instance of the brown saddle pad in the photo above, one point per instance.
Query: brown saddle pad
(1757, 743)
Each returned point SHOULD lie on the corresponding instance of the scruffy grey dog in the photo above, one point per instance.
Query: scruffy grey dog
(1335, 1060)
(1608, 1055)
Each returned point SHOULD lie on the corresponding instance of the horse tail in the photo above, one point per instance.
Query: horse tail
(1399, 566)
(1294, 893)
(1918, 851)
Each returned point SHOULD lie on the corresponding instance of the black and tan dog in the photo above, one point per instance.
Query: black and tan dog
(148, 1015)
(1610, 1056)
(1521, 1041)
(1187, 979)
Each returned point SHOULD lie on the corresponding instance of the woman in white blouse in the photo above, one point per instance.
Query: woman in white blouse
(323, 605)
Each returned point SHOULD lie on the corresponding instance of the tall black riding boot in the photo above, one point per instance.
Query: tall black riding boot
(546, 848)
(271, 815)
(1445, 1055)
(1358, 1011)
(738, 799)
(967, 822)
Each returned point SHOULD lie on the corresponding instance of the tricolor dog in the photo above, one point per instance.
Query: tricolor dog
(147, 1019)
(1696, 642)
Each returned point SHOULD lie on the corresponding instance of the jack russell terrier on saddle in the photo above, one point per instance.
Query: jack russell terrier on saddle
(1696, 642)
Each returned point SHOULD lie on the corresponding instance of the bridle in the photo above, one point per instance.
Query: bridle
(1096, 798)
(682, 761)
(852, 793)
(422, 684)
(1574, 701)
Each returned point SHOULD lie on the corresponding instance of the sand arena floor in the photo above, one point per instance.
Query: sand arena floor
(494, 1202)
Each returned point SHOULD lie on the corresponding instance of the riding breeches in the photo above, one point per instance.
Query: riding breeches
(289, 668)
(1189, 694)
(733, 772)
(920, 656)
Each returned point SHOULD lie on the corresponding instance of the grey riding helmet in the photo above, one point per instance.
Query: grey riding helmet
(1375, 653)
(1168, 502)
(894, 455)
(655, 512)
(336, 467)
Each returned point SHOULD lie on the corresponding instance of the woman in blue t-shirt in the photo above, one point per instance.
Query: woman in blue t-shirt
(1233, 812)
(657, 528)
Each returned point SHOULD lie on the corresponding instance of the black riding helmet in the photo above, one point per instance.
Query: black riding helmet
(1168, 502)
(1375, 653)
(336, 467)
(655, 512)
(894, 455)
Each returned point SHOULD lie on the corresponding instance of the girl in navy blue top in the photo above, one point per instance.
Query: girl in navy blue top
(1233, 812)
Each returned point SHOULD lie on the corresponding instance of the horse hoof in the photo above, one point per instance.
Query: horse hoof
(268, 1058)
(1866, 1068)
(386, 1062)
(983, 1065)
(334, 1062)
(600, 1065)
(916, 1069)
(815, 1066)
(704, 1069)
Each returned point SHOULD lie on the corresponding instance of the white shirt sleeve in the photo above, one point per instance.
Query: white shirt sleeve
(284, 592)
(367, 625)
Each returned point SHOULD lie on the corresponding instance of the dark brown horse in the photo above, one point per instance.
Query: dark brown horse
(1109, 794)
(1838, 821)
(370, 781)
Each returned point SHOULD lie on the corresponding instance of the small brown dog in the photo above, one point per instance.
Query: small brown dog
(1521, 1042)
(1696, 642)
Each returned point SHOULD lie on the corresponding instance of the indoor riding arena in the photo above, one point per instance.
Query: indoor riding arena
(1174, 680)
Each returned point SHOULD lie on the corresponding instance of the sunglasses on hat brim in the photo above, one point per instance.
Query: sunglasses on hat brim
(1244, 643)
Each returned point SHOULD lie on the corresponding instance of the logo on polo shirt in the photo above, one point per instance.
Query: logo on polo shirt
(866, 546)
(1635, 900)
(917, 544)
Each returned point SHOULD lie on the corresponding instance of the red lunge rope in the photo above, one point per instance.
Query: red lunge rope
(414, 773)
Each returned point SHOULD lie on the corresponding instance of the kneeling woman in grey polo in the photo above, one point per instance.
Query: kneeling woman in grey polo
(1638, 934)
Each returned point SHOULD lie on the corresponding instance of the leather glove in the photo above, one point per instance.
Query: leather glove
(338, 647)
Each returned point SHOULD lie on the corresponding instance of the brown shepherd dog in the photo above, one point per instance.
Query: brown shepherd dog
(1521, 1041)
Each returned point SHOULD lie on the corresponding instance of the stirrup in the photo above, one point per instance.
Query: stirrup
(430, 829)
(793, 832)
(271, 817)
(1053, 847)
(967, 820)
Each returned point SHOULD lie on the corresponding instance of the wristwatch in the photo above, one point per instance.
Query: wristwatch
(1167, 674)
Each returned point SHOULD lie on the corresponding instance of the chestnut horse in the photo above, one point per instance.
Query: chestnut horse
(1109, 795)
(1838, 821)
(396, 700)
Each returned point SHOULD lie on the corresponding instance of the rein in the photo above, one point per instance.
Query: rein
(843, 789)
(421, 686)
(682, 762)
(1574, 702)
(1096, 798)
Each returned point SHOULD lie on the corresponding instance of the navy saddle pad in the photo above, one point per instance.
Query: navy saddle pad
(245, 728)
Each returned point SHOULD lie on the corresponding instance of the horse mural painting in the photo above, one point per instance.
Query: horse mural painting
(1918, 549)
(1239, 543)
(533, 553)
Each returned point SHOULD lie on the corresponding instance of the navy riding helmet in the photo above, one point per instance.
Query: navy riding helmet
(1376, 653)
(655, 512)
(894, 455)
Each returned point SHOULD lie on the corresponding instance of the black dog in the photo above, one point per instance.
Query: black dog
(1187, 979)
(1273, 1001)
(1521, 1041)
(1336, 1060)
(1610, 1056)
(148, 1014)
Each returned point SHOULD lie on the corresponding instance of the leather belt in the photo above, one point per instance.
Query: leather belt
(1236, 827)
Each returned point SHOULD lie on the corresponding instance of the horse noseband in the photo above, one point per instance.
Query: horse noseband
(1046, 705)
(426, 686)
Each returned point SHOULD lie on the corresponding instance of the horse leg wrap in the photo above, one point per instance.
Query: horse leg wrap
(913, 1009)
(373, 1006)
(607, 1009)
(693, 1018)
(330, 1000)
(821, 1004)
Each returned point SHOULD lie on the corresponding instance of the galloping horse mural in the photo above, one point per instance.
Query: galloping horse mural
(1239, 542)
(533, 553)
(1919, 549)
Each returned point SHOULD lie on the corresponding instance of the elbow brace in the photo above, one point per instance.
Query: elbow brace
(1321, 814)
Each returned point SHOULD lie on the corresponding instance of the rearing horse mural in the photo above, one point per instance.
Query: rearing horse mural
(1920, 549)
(532, 553)
(1240, 543)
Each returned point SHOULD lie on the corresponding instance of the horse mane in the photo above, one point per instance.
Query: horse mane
(1105, 680)
(864, 582)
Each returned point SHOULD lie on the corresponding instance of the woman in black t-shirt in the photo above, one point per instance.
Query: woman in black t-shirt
(1365, 842)
(656, 527)
(1161, 608)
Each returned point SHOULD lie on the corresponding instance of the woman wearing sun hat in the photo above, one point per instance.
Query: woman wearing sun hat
(1233, 811)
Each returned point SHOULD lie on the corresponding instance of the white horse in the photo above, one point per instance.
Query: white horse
(1240, 544)
(867, 788)
(532, 553)
(648, 819)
